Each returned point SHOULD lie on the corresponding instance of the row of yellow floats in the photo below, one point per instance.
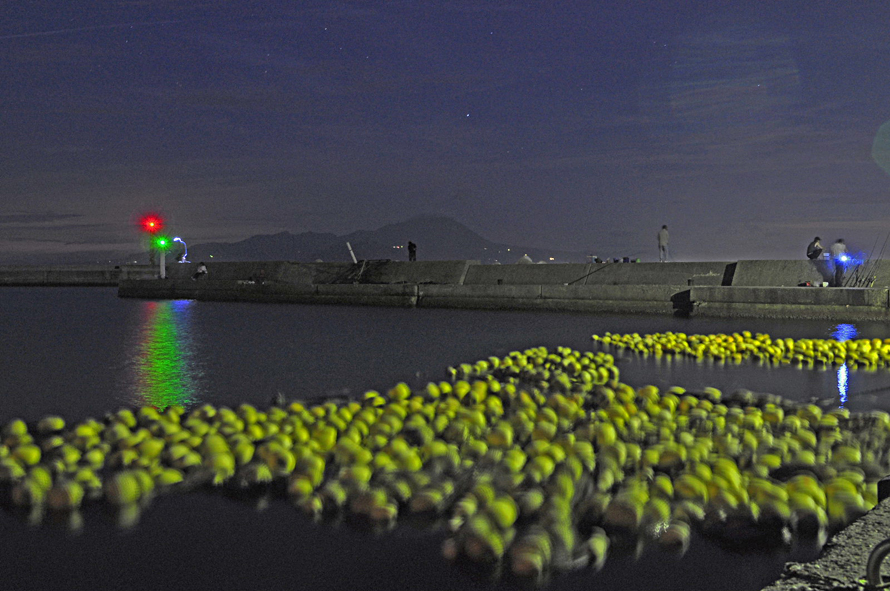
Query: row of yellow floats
(745, 346)
(534, 462)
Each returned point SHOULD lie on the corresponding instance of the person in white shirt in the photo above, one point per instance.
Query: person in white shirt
(839, 257)
(663, 244)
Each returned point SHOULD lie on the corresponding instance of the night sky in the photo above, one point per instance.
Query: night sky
(584, 126)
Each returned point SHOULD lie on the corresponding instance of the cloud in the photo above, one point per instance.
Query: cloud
(61, 231)
(46, 33)
(36, 218)
(247, 98)
(473, 7)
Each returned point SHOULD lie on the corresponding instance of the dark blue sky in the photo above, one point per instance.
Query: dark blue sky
(748, 128)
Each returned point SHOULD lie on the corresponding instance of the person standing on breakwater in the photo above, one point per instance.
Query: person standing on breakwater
(663, 244)
(201, 272)
(814, 250)
(412, 251)
(839, 258)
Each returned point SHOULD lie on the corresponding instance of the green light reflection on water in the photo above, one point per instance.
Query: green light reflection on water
(165, 371)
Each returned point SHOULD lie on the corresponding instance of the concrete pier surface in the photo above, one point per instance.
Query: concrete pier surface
(841, 565)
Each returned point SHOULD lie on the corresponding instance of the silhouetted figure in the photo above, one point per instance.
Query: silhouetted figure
(815, 250)
(839, 258)
(201, 272)
(663, 244)
(412, 251)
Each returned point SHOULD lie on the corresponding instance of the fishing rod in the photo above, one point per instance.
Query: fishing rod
(598, 269)
(856, 279)
(864, 275)
(874, 264)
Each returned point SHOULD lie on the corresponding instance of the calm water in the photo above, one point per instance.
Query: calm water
(83, 352)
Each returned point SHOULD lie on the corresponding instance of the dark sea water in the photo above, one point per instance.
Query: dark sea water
(83, 352)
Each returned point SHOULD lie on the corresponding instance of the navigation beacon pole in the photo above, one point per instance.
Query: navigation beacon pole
(152, 224)
(162, 243)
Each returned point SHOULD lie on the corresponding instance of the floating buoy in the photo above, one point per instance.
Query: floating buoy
(533, 460)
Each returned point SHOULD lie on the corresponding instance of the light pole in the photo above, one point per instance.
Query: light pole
(185, 255)
(161, 242)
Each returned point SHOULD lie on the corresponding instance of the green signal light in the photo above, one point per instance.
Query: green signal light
(162, 242)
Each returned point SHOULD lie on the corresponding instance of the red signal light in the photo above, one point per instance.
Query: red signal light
(152, 223)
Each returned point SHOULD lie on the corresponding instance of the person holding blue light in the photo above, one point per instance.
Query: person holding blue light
(840, 258)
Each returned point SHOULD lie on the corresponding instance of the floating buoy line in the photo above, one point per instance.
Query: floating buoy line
(746, 347)
(535, 462)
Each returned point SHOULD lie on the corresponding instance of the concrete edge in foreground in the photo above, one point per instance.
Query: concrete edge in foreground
(841, 566)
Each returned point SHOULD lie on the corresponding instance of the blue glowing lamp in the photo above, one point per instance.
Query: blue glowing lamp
(185, 255)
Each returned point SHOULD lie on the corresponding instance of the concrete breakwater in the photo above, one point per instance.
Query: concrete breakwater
(449, 284)
(72, 275)
(726, 289)
(722, 289)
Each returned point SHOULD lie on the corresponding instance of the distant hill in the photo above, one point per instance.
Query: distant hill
(436, 237)
(105, 257)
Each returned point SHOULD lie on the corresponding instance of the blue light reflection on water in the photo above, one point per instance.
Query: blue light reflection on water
(843, 332)
(843, 373)
(166, 368)
(63, 347)
(74, 351)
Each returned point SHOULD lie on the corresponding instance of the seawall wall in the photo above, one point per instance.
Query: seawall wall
(72, 275)
(728, 289)
(598, 274)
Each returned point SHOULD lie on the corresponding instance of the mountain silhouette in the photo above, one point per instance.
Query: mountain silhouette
(436, 237)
